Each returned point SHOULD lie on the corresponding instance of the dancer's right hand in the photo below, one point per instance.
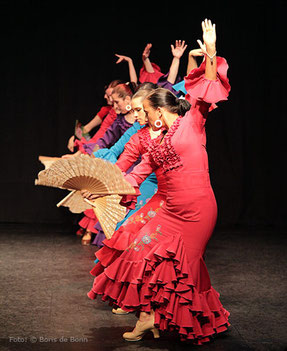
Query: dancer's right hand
(146, 52)
(88, 195)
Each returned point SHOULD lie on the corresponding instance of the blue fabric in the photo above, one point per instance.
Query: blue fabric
(112, 154)
(180, 87)
(148, 188)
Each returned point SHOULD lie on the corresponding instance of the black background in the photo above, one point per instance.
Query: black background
(56, 58)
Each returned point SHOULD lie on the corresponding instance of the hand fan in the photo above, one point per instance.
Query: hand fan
(95, 175)
(79, 131)
(47, 161)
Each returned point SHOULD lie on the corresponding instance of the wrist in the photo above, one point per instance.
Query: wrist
(211, 49)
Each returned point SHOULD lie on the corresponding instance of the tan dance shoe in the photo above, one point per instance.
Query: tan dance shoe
(119, 311)
(86, 239)
(140, 330)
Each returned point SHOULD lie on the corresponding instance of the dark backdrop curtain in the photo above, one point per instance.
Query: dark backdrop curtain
(57, 56)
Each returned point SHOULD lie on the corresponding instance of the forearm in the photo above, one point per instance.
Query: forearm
(173, 71)
(211, 64)
(192, 64)
(148, 65)
(92, 124)
(132, 72)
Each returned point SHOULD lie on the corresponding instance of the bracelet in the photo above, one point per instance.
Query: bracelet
(211, 57)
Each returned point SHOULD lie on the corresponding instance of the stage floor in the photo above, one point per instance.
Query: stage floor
(44, 278)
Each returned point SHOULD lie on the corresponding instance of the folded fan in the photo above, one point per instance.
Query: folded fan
(95, 175)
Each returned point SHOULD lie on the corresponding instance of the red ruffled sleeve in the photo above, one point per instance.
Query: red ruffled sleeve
(150, 77)
(200, 88)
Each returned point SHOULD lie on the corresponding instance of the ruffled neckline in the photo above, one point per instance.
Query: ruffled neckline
(164, 154)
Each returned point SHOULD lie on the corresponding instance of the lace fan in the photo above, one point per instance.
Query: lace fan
(95, 175)
(47, 160)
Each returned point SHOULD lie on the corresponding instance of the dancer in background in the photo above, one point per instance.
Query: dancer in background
(162, 274)
(121, 96)
(105, 117)
(150, 72)
(133, 150)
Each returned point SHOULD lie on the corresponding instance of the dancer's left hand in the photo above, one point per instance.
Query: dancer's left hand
(208, 35)
(179, 48)
(122, 58)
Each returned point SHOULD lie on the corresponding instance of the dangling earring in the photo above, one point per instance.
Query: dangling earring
(158, 123)
(128, 107)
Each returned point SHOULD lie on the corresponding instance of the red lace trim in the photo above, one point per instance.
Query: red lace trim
(164, 154)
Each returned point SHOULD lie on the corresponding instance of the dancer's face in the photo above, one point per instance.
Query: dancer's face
(108, 96)
(120, 103)
(152, 114)
(138, 111)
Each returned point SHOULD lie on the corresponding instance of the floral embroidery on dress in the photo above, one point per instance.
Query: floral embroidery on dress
(145, 240)
(165, 154)
(143, 218)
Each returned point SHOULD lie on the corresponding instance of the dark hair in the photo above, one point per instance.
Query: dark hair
(148, 86)
(165, 98)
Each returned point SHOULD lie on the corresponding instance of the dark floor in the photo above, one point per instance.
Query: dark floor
(44, 277)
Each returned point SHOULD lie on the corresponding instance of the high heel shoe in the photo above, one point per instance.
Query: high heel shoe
(140, 330)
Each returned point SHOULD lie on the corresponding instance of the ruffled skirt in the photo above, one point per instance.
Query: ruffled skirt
(89, 221)
(163, 269)
(125, 235)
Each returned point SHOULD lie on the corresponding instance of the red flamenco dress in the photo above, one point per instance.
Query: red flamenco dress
(122, 238)
(163, 268)
(89, 221)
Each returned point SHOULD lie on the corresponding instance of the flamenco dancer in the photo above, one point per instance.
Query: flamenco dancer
(162, 274)
(133, 150)
(148, 203)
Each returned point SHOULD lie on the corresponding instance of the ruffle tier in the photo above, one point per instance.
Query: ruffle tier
(125, 235)
(153, 77)
(89, 221)
(165, 281)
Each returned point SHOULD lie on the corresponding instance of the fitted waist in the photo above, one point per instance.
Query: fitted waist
(180, 180)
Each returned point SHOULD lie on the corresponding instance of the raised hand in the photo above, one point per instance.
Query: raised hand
(208, 36)
(146, 51)
(122, 58)
(179, 48)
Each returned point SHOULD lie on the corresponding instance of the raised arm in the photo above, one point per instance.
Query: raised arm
(209, 48)
(192, 63)
(132, 71)
(177, 52)
(146, 60)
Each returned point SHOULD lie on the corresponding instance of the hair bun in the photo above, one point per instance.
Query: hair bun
(183, 106)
